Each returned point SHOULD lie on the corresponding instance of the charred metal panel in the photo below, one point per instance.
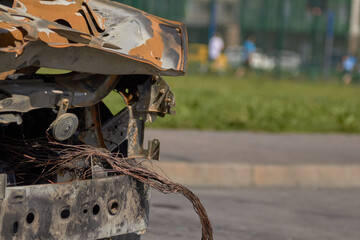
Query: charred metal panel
(90, 36)
(82, 90)
(106, 46)
(90, 209)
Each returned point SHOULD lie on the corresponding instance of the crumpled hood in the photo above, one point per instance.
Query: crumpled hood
(90, 36)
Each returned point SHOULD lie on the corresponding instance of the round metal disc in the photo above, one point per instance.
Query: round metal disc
(65, 126)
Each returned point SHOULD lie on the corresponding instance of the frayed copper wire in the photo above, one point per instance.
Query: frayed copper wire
(55, 157)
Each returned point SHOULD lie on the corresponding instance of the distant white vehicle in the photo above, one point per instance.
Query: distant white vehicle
(288, 60)
(261, 61)
(285, 60)
(236, 57)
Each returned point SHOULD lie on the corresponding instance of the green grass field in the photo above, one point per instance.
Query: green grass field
(259, 104)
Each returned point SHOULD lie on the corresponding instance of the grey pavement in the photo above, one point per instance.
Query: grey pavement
(264, 214)
(256, 148)
(251, 213)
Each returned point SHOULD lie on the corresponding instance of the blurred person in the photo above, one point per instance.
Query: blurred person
(349, 63)
(249, 50)
(216, 45)
(217, 60)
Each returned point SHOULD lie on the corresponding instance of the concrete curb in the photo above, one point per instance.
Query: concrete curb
(247, 175)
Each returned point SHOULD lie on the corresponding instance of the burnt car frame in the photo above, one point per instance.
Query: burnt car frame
(104, 46)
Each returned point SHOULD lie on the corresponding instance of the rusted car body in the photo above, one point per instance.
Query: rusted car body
(104, 46)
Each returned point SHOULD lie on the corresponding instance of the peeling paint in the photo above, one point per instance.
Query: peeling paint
(112, 29)
(57, 2)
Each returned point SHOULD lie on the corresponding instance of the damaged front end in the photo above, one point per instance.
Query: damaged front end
(105, 47)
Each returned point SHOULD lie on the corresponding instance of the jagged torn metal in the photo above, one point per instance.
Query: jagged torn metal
(90, 36)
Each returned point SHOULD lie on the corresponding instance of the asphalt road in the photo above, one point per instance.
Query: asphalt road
(256, 148)
(270, 214)
(259, 213)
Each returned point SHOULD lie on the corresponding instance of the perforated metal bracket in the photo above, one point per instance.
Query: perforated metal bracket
(91, 209)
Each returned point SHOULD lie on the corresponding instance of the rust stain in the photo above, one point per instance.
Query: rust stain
(52, 37)
(152, 49)
(82, 26)
(95, 116)
(10, 35)
(3, 75)
(64, 12)
(98, 20)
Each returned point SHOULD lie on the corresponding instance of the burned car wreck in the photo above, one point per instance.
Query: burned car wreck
(104, 47)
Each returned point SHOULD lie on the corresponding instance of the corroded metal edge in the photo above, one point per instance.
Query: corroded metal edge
(77, 210)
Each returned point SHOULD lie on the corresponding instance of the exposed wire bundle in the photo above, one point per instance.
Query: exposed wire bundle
(53, 157)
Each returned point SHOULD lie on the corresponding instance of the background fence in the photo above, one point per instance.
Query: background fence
(320, 40)
(169, 9)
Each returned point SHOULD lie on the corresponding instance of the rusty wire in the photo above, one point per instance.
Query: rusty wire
(54, 157)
